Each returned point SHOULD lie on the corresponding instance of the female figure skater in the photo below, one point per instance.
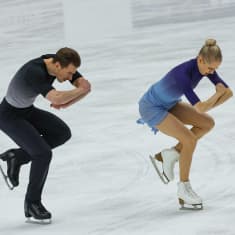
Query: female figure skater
(161, 108)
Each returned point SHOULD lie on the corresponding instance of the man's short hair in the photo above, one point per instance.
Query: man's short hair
(66, 56)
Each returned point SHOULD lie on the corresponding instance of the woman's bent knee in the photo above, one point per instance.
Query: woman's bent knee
(210, 123)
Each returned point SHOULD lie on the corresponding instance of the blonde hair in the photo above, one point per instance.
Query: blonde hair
(211, 52)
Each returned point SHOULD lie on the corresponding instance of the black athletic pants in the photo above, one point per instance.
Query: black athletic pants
(36, 132)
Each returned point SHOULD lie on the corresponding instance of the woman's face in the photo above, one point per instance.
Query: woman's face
(205, 68)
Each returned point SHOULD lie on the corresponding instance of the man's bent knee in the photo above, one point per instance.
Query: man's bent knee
(65, 135)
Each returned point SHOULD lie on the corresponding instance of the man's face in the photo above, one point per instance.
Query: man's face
(65, 73)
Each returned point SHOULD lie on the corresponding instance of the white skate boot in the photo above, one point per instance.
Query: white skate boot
(168, 158)
(187, 196)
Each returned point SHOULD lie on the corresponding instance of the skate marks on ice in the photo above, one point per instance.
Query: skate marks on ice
(113, 173)
(220, 174)
(6, 179)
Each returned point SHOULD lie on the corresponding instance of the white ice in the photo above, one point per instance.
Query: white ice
(102, 182)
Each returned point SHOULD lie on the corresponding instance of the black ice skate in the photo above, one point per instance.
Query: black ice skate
(13, 169)
(35, 212)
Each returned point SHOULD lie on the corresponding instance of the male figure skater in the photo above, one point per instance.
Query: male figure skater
(36, 131)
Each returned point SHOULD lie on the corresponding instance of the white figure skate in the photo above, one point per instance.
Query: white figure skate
(167, 158)
(187, 196)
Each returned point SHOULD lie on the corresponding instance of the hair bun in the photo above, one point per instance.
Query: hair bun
(210, 42)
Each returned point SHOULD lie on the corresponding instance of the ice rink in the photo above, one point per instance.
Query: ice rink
(101, 182)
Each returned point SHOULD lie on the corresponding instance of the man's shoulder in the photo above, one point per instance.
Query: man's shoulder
(33, 72)
(47, 56)
(39, 61)
(35, 67)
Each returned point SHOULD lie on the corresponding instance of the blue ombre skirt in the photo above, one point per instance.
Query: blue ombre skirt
(153, 114)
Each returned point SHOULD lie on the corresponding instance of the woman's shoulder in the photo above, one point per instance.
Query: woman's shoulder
(186, 64)
(185, 67)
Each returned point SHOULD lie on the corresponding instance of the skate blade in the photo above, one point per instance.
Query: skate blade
(32, 220)
(162, 176)
(6, 179)
(193, 207)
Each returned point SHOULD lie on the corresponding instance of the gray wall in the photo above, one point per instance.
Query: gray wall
(154, 12)
(24, 22)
